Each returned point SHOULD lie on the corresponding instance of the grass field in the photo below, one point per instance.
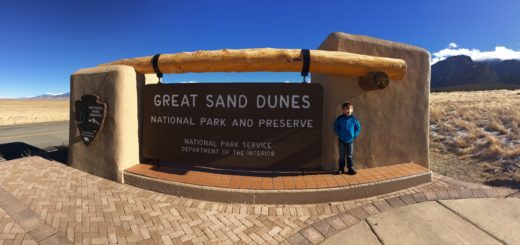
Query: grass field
(13, 112)
(475, 136)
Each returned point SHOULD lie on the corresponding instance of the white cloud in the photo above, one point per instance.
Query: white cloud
(500, 52)
(189, 82)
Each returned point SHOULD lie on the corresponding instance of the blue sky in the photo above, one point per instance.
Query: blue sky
(43, 42)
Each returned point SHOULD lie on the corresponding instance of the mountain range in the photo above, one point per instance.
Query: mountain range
(51, 96)
(462, 73)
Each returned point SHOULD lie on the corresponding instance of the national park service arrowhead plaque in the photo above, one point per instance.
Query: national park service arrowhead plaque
(90, 115)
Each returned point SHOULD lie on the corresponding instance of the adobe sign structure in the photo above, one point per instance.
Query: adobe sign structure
(243, 125)
(257, 126)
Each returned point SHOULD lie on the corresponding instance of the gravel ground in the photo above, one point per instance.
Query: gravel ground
(497, 173)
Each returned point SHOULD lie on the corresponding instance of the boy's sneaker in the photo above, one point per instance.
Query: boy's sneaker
(339, 172)
(351, 171)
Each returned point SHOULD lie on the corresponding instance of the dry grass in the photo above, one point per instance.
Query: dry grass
(14, 112)
(479, 128)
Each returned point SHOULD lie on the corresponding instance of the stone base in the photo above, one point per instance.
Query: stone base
(365, 188)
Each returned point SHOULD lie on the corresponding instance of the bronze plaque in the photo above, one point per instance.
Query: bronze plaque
(90, 115)
(237, 125)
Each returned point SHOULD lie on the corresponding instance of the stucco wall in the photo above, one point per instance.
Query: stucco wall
(117, 145)
(394, 120)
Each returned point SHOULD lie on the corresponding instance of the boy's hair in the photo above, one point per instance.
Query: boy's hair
(347, 104)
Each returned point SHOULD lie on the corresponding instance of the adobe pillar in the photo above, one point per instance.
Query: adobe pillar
(394, 120)
(116, 147)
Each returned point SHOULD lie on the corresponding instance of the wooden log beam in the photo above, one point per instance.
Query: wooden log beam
(269, 60)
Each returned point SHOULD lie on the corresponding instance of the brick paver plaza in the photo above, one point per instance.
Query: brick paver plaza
(50, 203)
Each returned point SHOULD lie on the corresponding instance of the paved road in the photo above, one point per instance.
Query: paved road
(41, 135)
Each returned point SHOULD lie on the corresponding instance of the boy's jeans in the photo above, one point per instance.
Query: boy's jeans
(346, 150)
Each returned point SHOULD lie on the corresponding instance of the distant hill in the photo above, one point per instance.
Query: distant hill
(508, 71)
(49, 96)
(462, 73)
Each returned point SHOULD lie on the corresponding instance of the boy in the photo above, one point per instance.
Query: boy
(347, 128)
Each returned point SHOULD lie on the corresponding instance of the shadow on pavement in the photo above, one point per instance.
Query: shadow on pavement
(513, 184)
(15, 150)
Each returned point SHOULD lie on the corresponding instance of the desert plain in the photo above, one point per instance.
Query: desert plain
(25, 111)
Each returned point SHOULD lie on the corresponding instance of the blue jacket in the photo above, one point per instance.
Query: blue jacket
(347, 128)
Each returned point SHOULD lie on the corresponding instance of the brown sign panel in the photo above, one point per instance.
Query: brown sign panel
(237, 125)
(90, 114)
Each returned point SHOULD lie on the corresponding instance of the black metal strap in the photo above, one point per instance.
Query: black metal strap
(155, 64)
(306, 63)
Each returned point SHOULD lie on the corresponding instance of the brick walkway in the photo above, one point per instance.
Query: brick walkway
(90, 210)
(11, 232)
